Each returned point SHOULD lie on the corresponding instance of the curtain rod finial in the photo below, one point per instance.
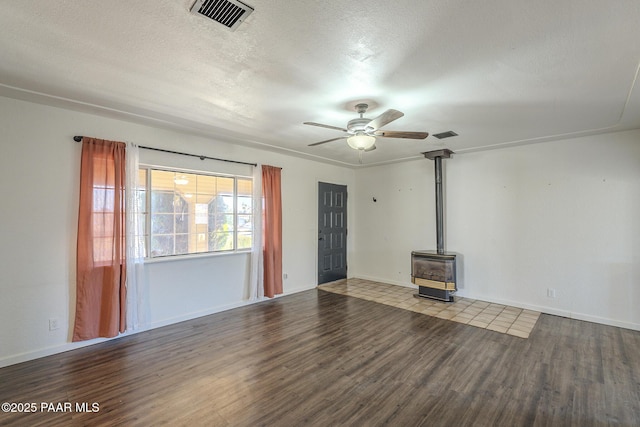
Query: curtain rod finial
(77, 138)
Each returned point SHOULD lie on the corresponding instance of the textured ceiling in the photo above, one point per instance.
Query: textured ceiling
(498, 73)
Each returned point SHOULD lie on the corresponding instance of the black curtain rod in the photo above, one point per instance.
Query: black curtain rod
(79, 138)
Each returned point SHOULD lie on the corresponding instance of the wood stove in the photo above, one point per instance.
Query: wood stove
(437, 272)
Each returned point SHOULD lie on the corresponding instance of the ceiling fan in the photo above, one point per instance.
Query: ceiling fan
(362, 132)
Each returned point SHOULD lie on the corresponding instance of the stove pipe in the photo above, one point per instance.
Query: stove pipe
(437, 157)
(439, 209)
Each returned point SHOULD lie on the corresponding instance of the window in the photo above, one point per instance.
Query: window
(107, 208)
(191, 213)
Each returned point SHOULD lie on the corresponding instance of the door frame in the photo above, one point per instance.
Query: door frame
(346, 226)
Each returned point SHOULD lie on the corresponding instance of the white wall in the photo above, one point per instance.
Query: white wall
(398, 222)
(562, 215)
(39, 167)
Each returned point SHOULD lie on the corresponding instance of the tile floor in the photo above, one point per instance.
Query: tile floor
(496, 317)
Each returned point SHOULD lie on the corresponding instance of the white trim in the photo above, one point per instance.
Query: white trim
(194, 171)
(541, 309)
(555, 311)
(149, 168)
(195, 255)
(49, 351)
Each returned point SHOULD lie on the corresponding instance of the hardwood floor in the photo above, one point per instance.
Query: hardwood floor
(323, 359)
(481, 314)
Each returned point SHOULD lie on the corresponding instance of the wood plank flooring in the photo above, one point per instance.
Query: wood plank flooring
(496, 317)
(322, 359)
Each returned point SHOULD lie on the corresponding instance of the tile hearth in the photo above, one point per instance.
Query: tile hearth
(495, 317)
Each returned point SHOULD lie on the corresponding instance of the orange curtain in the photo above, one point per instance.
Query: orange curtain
(100, 268)
(272, 241)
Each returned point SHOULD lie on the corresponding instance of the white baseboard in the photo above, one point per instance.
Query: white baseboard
(48, 351)
(200, 313)
(297, 290)
(556, 312)
(524, 305)
(68, 346)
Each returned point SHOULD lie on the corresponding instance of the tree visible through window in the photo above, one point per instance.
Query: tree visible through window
(197, 213)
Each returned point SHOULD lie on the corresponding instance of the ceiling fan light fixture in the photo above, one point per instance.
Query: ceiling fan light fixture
(361, 141)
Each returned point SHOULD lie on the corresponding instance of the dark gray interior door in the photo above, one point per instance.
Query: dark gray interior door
(332, 232)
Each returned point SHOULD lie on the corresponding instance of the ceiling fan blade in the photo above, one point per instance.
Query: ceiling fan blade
(324, 142)
(383, 119)
(400, 134)
(324, 126)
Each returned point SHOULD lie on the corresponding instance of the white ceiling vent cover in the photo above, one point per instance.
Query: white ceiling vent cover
(229, 13)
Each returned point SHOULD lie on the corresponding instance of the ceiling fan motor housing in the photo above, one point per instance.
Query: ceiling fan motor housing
(362, 132)
(357, 125)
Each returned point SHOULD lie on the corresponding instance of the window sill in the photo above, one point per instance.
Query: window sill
(195, 256)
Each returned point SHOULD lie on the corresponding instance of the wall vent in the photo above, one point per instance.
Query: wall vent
(443, 135)
(229, 13)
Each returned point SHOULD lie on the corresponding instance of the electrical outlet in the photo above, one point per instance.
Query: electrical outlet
(551, 293)
(285, 276)
(53, 324)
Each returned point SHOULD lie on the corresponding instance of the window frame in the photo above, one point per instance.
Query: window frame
(147, 213)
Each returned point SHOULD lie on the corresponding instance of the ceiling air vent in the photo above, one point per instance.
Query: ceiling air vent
(229, 13)
(443, 135)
